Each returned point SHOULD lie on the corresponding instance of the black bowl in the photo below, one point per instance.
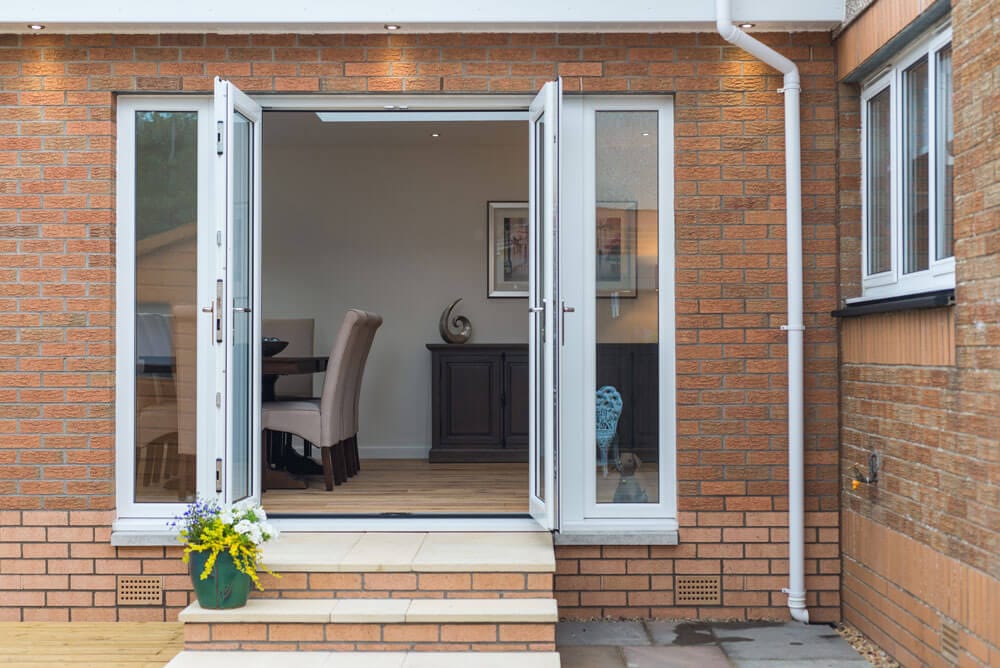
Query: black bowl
(272, 348)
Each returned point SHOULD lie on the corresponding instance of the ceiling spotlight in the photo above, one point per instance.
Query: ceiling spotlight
(36, 26)
(435, 134)
(747, 25)
(645, 134)
(391, 26)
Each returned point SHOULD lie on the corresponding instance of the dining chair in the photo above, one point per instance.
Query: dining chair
(320, 422)
(358, 359)
(299, 333)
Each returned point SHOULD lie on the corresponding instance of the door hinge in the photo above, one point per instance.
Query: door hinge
(220, 129)
(218, 475)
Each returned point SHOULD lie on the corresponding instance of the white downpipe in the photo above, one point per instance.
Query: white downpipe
(793, 195)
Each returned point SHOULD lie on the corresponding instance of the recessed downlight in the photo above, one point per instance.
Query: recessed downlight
(435, 134)
(747, 25)
(36, 26)
(391, 26)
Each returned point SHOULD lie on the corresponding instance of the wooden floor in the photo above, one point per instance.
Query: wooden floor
(412, 486)
(96, 644)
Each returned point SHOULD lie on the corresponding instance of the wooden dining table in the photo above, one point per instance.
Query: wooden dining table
(274, 367)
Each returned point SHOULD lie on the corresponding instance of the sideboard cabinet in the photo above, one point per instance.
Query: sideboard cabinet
(479, 402)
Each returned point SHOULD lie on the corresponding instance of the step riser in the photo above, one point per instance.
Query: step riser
(407, 585)
(370, 637)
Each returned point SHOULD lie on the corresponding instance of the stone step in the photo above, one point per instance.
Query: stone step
(229, 659)
(379, 611)
(439, 552)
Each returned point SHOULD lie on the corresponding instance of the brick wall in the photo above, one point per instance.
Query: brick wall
(57, 161)
(921, 574)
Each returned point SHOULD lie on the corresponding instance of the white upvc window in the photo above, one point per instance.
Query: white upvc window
(907, 157)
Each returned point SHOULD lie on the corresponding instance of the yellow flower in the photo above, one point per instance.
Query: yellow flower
(855, 484)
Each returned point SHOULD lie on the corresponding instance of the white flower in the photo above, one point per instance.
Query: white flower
(260, 514)
(245, 527)
(226, 516)
(269, 531)
(255, 534)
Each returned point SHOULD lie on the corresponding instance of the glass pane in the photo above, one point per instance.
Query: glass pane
(878, 192)
(538, 235)
(241, 291)
(944, 136)
(166, 225)
(916, 179)
(627, 258)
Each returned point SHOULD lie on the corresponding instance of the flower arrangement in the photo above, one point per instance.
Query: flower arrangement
(238, 530)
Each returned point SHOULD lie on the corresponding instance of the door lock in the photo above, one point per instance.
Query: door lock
(562, 321)
(218, 311)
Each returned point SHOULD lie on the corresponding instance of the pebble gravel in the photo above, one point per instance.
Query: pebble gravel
(866, 648)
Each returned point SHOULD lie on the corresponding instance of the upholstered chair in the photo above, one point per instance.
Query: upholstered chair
(358, 359)
(320, 422)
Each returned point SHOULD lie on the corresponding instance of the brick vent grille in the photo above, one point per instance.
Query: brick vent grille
(140, 590)
(698, 590)
(950, 644)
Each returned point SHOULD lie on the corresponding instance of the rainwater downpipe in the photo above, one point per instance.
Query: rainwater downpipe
(793, 222)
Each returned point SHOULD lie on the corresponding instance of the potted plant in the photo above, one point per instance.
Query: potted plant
(223, 550)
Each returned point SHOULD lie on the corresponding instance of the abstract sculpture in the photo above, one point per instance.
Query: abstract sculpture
(454, 330)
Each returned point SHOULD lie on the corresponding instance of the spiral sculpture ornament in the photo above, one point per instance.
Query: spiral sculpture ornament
(455, 329)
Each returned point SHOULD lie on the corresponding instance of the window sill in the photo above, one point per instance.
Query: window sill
(923, 300)
(630, 538)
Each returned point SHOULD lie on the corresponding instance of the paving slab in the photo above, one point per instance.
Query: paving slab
(591, 656)
(675, 656)
(601, 633)
(802, 663)
(680, 633)
(764, 641)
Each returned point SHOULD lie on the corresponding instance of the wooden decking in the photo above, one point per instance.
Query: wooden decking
(412, 486)
(96, 644)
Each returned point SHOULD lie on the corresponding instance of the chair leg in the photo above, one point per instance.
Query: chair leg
(349, 458)
(339, 463)
(327, 468)
(355, 455)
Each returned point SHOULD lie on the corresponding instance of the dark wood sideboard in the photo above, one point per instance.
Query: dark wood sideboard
(479, 402)
(479, 399)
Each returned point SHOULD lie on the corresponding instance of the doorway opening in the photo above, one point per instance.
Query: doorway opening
(400, 218)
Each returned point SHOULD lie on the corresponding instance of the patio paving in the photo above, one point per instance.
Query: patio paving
(703, 645)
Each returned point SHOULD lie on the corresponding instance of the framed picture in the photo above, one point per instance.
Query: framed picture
(616, 241)
(507, 249)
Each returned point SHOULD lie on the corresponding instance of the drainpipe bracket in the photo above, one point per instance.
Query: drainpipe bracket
(793, 328)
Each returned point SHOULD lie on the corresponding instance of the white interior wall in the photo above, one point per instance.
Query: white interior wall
(397, 227)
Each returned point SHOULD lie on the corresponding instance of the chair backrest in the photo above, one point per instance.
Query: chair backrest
(609, 409)
(358, 360)
(299, 334)
(335, 385)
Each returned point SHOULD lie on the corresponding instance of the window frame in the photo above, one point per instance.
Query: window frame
(940, 274)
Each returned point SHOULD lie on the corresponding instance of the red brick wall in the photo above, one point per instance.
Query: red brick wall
(921, 574)
(56, 291)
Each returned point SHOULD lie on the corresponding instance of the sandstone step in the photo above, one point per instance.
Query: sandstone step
(439, 552)
(237, 659)
(379, 611)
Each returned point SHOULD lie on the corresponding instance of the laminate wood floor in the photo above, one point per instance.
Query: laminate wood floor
(412, 486)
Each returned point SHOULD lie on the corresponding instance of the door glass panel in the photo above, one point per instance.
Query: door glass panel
(916, 178)
(877, 165)
(538, 320)
(241, 293)
(944, 135)
(166, 225)
(627, 308)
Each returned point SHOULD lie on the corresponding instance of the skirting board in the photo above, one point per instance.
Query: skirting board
(393, 451)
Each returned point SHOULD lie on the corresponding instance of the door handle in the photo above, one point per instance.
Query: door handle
(242, 309)
(217, 307)
(562, 321)
(536, 309)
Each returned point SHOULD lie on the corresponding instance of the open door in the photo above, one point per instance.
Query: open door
(543, 212)
(237, 313)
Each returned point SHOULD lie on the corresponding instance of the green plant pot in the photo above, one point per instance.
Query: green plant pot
(225, 587)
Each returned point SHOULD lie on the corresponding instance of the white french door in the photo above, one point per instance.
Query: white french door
(543, 295)
(237, 292)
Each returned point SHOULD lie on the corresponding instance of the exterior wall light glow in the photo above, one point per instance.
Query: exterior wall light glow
(391, 26)
(36, 26)
(747, 25)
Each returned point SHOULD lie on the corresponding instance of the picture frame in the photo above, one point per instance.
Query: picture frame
(507, 245)
(616, 242)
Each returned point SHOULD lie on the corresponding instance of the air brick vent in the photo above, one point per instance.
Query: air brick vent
(698, 590)
(140, 590)
(950, 643)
